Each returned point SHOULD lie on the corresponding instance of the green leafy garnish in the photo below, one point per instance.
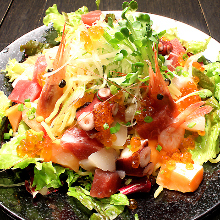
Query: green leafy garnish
(191, 125)
(159, 148)
(21, 107)
(115, 129)
(106, 126)
(34, 47)
(72, 19)
(47, 175)
(148, 119)
(107, 208)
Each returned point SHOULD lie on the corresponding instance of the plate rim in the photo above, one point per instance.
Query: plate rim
(43, 28)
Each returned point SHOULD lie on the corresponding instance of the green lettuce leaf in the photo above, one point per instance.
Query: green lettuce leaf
(72, 19)
(212, 71)
(4, 105)
(191, 46)
(196, 46)
(207, 146)
(47, 175)
(171, 33)
(8, 152)
(34, 47)
(14, 69)
(107, 208)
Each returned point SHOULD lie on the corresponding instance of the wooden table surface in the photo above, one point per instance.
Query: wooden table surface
(18, 17)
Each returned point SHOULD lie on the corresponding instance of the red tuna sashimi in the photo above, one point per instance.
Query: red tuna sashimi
(173, 57)
(79, 143)
(91, 17)
(25, 89)
(105, 184)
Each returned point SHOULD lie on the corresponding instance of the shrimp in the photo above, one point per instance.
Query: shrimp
(164, 109)
(51, 91)
(171, 137)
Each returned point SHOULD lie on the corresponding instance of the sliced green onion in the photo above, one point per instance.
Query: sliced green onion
(106, 126)
(21, 107)
(191, 125)
(31, 116)
(27, 100)
(159, 148)
(128, 123)
(129, 147)
(7, 136)
(27, 104)
(138, 112)
(113, 89)
(148, 119)
(115, 129)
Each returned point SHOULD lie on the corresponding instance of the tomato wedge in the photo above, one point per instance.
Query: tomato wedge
(91, 17)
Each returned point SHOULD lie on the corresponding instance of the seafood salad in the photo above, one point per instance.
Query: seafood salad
(110, 107)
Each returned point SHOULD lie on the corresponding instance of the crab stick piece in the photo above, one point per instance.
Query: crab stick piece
(181, 179)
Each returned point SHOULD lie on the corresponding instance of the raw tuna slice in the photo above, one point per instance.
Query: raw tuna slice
(105, 184)
(173, 57)
(79, 143)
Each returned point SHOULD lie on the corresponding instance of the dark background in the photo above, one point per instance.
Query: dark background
(18, 17)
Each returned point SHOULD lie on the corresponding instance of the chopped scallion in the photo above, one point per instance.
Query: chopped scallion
(115, 129)
(148, 119)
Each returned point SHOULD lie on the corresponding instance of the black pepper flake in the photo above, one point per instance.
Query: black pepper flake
(159, 96)
(167, 81)
(62, 83)
(50, 70)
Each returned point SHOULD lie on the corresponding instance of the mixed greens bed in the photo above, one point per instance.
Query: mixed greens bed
(107, 106)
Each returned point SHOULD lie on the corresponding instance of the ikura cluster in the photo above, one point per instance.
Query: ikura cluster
(94, 33)
(31, 146)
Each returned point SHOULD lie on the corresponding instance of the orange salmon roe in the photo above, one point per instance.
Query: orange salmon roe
(31, 146)
(88, 97)
(84, 36)
(189, 88)
(198, 66)
(135, 144)
(103, 114)
(46, 151)
(187, 143)
(181, 59)
(179, 156)
(95, 32)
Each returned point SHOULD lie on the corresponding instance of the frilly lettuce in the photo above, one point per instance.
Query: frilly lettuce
(212, 70)
(5, 103)
(191, 46)
(47, 175)
(14, 69)
(207, 146)
(8, 152)
(107, 208)
(72, 19)
(196, 46)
